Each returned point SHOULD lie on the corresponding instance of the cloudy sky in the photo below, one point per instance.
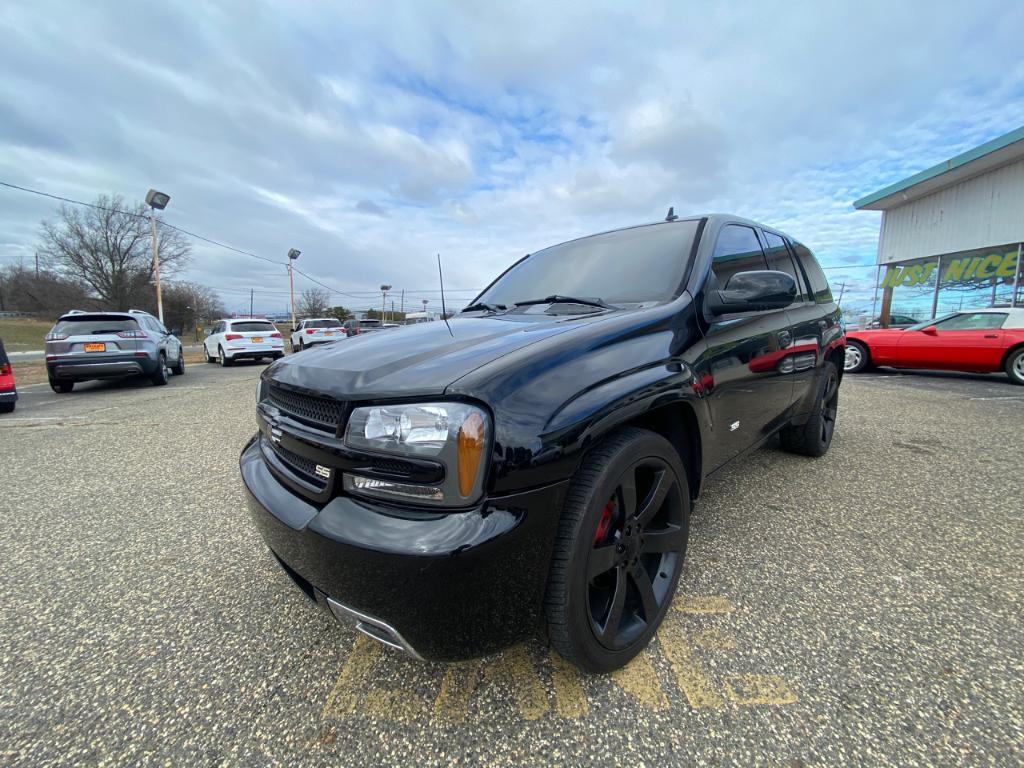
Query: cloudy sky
(372, 136)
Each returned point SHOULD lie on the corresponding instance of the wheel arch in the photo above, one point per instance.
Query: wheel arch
(1009, 353)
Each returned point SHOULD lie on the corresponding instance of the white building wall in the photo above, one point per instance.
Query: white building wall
(980, 212)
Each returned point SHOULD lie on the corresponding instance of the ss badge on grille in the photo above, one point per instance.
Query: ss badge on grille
(323, 471)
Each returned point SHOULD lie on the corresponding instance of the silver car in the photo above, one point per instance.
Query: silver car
(83, 346)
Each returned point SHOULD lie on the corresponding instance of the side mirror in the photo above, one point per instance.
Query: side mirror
(931, 330)
(754, 291)
(295, 329)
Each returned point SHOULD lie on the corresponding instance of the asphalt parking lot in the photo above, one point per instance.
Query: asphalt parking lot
(864, 608)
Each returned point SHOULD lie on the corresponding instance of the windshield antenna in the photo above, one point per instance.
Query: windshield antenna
(444, 310)
(671, 214)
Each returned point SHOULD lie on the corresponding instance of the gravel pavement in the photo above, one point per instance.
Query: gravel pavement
(864, 608)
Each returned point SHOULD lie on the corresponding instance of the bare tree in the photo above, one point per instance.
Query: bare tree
(44, 292)
(314, 302)
(109, 249)
(187, 305)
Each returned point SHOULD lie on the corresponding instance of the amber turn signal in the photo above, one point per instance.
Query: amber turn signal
(471, 448)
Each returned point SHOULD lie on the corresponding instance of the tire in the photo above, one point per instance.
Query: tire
(62, 387)
(159, 376)
(178, 369)
(224, 360)
(815, 436)
(278, 355)
(7, 407)
(858, 357)
(302, 346)
(602, 548)
(209, 358)
(1015, 366)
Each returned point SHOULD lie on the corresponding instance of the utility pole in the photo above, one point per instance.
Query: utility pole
(157, 200)
(37, 265)
(842, 289)
(384, 302)
(403, 295)
(292, 256)
(392, 310)
(250, 302)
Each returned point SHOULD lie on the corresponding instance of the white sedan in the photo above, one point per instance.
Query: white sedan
(250, 339)
(316, 330)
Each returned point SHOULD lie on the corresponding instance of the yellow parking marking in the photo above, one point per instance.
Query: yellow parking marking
(354, 677)
(515, 669)
(457, 686)
(393, 704)
(702, 604)
(714, 639)
(570, 699)
(640, 681)
(758, 689)
(699, 690)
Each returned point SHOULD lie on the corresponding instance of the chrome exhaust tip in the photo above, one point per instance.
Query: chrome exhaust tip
(372, 627)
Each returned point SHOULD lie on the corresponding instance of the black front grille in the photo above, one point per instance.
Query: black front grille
(304, 469)
(319, 412)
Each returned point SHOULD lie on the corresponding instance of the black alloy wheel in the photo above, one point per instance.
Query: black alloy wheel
(620, 549)
(813, 437)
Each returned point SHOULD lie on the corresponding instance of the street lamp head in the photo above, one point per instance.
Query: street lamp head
(293, 253)
(385, 287)
(157, 200)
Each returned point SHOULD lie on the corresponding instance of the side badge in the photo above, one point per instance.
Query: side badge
(323, 471)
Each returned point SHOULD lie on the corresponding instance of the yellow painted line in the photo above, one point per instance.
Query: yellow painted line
(699, 690)
(514, 669)
(352, 681)
(640, 680)
(702, 604)
(457, 686)
(570, 699)
(393, 704)
(713, 639)
(747, 690)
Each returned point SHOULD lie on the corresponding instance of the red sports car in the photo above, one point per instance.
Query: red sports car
(979, 341)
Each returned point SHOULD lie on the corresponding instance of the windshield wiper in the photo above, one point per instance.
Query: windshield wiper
(559, 299)
(483, 305)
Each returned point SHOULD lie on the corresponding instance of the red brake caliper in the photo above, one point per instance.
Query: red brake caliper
(605, 523)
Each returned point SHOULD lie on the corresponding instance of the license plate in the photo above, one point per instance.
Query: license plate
(257, 339)
(328, 333)
(95, 347)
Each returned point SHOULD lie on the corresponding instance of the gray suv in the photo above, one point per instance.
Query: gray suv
(83, 346)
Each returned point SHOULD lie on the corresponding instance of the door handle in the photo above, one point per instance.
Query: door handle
(785, 339)
(991, 335)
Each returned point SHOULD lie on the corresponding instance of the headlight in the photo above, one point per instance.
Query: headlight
(455, 435)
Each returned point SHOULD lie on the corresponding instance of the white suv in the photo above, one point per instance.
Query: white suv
(316, 330)
(244, 338)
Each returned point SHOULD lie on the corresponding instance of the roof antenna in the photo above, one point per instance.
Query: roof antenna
(671, 214)
(444, 310)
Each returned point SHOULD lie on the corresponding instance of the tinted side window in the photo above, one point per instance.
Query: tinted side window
(779, 259)
(737, 250)
(819, 285)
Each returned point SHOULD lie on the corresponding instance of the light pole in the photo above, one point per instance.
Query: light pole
(157, 201)
(425, 306)
(383, 302)
(293, 254)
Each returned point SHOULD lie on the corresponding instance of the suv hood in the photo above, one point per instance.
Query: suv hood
(422, 359)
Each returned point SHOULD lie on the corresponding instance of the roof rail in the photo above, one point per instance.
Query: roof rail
(137, 312)
(76, 312)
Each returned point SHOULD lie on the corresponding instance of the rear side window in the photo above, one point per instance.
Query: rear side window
(251, 326)
(737, 250)
(819, 285)
(88, 325)
(780, 260)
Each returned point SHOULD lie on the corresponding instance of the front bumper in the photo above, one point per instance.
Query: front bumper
(99, 367)
(448, 586)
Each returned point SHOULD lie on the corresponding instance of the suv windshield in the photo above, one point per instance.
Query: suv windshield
(630, 266)
(323, 324)
(253, 326)
(88, 325)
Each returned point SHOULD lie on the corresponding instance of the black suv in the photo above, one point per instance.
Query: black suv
(449, 487)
